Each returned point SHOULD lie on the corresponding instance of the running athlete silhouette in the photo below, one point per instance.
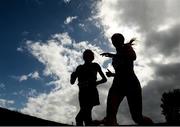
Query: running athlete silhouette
(125, 83)
(88, 93)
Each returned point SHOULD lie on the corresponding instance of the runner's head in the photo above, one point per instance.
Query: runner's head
(88, 56)
(117, 40)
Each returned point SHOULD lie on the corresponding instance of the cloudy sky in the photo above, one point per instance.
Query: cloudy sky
(41, 43)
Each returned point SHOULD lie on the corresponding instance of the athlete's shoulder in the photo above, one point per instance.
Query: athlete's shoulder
(96, 65)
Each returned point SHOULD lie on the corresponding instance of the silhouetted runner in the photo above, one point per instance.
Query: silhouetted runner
(125, 83)
(88, 93)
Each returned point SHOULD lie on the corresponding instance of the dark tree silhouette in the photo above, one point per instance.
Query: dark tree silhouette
(171, 106)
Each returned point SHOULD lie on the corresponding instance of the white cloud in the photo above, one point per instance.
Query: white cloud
(56, 106)
(6, 103)
(2, 86)
(20, 49)
(81, 25)
(23, 78)
(67, 1)
(29, 93)
(63, 39)
(70, 19)
(110, 16)
(33, 75)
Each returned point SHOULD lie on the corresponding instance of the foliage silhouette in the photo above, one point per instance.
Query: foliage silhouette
(171, 106)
